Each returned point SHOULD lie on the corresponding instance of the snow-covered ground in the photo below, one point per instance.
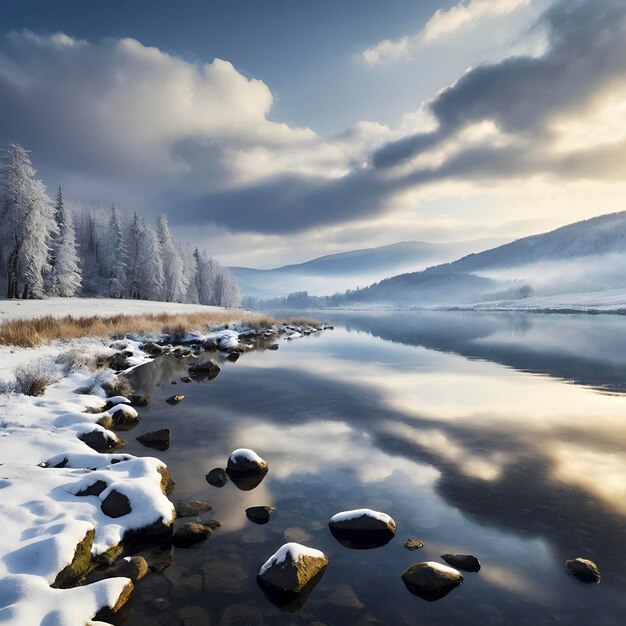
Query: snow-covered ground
(83, 307)
(609, 300)
(44, 465)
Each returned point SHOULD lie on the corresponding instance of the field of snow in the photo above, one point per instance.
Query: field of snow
(83, 307)
(609, 300)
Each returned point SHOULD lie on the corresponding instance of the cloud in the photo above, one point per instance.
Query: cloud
(441, 24)
(116, 120)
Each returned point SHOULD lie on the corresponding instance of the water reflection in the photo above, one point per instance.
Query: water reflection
(415, 415)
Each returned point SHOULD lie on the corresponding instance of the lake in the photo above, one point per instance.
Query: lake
(496, 434)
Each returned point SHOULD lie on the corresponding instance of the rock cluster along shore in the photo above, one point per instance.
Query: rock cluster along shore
(64, 457)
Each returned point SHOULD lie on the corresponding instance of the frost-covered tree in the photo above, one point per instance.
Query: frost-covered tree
(176, 283)
(26, 225)
(215, 284)
(65, 275)
(116, 253)
(151, 283)
(133, 262)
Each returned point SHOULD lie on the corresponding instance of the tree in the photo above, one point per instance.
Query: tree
(176, 283)
(66, 274)
(26, 225)
(151, 276)
(115, 255)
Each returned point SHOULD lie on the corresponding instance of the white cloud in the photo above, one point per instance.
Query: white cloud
(463, 16)
(465, 13)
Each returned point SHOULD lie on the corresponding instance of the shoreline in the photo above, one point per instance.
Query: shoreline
(58, 529)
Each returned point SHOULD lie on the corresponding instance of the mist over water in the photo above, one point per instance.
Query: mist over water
(496, 434)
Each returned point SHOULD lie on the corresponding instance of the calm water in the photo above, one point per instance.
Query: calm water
(501, 435)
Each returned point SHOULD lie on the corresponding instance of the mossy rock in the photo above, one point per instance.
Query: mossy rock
(81, 564)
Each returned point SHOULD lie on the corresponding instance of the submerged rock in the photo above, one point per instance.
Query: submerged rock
(465, 562)
(190, 533)
(413, 544)
(245, 461)
(217, 477)
(259, 514)
(158, 439)
(137, 400)
(362, 528)
(292, 568)
(175, 399)
(430, 580)
(584, 570)
(190, 508)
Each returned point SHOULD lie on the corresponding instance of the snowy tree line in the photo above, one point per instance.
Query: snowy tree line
(48, 249)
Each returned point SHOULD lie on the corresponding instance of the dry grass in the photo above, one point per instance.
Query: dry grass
(29, 333)
(33, 378)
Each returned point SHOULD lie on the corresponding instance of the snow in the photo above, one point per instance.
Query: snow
(84, 307)
(245, 453)
(348, 515)
(609, 300)
(42, 518)
(294, 550)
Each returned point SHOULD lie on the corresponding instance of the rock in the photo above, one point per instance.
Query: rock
(292, 568)
(186, 379)
(413, 544)
(190, 533)
(584, 570)
(158, 439)
(152, 349)
(81, 563)
(217, 477)
(344, 595)
(233, 357)
(204, 370)
(167, 483)
(137, 400)
(225, 576)
(108, 613)
(259, 514)
(124, 416)
(116, 504)
(213, 523)
(190, 508)
(106, 421)
(430, 580)
(161, 604)
(299, 535)
(245, 461)
(464, 562)
(247, 482)
(179, 397)
(273, 346)
(187, 586)
(133, 567)
(362, 529)
(117, 362)
(180, 352)
(240, 614)
(114, 401)
(101, 440)
(95, 489)
(193, 616)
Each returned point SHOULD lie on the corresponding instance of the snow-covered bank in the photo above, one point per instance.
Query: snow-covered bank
(57, 493)
(82, 307)
(607, 301)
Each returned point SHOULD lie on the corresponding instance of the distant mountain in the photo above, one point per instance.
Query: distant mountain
(336, 272)
(585, 256)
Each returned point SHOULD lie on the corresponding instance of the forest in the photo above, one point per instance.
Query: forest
(50, 248)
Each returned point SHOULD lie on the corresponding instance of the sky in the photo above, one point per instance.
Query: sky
(271, 132)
